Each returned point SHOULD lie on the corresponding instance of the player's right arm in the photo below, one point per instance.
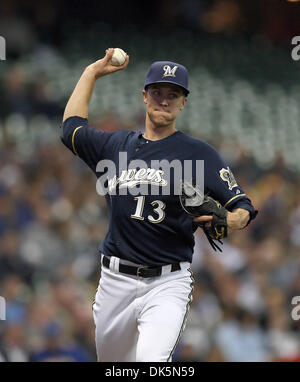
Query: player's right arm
(90, 144)
(78, 103)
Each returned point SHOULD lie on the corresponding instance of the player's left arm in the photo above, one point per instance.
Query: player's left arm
(237, 219)
(221, 184)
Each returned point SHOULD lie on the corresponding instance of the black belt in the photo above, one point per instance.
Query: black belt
(142, 271)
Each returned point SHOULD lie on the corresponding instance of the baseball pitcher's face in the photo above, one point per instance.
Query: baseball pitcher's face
(164, 101)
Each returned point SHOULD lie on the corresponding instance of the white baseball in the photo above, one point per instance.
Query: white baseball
(119, 57)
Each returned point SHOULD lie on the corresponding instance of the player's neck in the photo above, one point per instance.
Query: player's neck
(155, 133)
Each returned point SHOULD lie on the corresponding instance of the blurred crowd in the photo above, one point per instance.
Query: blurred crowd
(52, 219)
(27, 24)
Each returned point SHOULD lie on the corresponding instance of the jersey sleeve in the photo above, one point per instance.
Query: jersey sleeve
(89, 144)
(221, 184)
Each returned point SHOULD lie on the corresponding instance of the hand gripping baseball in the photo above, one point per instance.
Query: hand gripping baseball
(105, 66)
(196, 204)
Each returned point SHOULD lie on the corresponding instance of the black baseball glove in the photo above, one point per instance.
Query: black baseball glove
(196, 204)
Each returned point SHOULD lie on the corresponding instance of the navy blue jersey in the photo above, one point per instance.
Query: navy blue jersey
(150, 227)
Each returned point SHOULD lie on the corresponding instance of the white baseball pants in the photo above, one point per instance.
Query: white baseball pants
(140, 319)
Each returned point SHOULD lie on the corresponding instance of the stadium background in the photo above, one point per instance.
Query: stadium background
(244, 100)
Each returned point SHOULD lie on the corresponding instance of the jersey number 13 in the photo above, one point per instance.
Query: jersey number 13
(158, 205)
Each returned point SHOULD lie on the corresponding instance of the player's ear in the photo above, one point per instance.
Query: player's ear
(145, 96)
(184, 101)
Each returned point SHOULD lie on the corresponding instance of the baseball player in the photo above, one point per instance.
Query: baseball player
(146, 283)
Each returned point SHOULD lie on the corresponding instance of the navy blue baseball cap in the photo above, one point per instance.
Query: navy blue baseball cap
(167, 71)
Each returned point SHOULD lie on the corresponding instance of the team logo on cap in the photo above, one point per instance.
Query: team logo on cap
(170, 72)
